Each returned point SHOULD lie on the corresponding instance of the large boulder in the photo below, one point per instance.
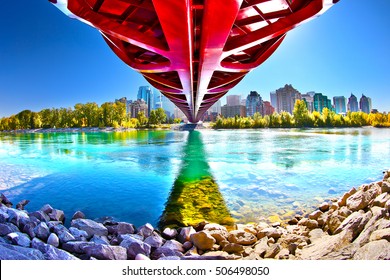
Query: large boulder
(106, 252)
(76, 247)
(169, 233)
(155, 241)
(362, 198)
(7, 228)
(16, 216)
(145, 230)
(121, 228)
(3, 215)
(354, 224)
(78, 234)
(241, 237)
(233, 248)
(134, 246)
(42, 231)
(90, 227)
(65, 236)
(381, 234)
(20, 239)
(53, 240)
(57, 215)
(185, 234)
(10, 252)
(203, 240)
(174, 245)
(40, 215)
(51, 252)
(375, 250)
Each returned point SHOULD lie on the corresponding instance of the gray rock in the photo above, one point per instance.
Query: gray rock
(65, 236)
(53, 240)
(187, 245)
(121, 228)
(78, 215)
(15, 216)
(106, 252)
(10, 252)
(76, 247)
(7, 228)
(169, 233)
(42, 231)
(169, 258)
(375, 250)
(203, 240)
(21, 204)
(29, 229)
(124, 236)
(185, 234)
(79, 235)
(164, 252)
(5, 200)
(241, 237)
(90, 227)
(3, 216)
(57, 228)
(135, 246)
(174, 245)
(20, 239)
(145, 230)
(47, 208)
(155, 241)
(141, 257)
(102, 240)
(40, 215)
(57, 215)
(50, 252)
(381, 234)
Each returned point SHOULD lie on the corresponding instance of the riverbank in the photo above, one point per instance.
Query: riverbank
(354, 226)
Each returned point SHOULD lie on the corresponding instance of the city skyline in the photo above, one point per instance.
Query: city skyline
(48, 60)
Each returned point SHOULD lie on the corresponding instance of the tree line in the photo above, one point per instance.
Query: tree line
(90, 114)
(302, 118)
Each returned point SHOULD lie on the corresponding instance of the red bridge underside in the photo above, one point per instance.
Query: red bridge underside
(194, 51)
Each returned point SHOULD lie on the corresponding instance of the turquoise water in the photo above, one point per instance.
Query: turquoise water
(129, 175)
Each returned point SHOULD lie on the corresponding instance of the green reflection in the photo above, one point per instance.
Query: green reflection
(195, 196)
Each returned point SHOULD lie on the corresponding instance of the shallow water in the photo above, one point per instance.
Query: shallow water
(130, 175)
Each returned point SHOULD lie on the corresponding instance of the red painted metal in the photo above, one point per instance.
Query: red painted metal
(193, 51)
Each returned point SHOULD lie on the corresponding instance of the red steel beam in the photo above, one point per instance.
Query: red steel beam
(193, 51)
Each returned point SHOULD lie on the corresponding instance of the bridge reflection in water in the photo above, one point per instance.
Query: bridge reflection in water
(195, 196)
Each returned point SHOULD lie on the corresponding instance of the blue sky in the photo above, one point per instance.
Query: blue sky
(49, 60)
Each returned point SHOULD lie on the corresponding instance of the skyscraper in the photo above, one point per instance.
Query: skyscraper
(146, 94)
(233, 100)
(286, 98)
(340, 104)
(320, 102)
(365, 104)
(274, 100)
(254, 104)
(353, 104)
(308, 98)
(268, 108)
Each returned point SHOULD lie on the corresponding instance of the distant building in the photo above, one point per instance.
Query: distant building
(273, 98)
(309, 100)
(340, 104)
(268, 108)
(321, 101)
(365, 104)
(233, 100)
(137, 107)
(168, 106)
(353, 104)
(213, 112)
(127, 103)
(286, 98)
(254, 104)
(178, 114)
(232, 111)
(146, 94)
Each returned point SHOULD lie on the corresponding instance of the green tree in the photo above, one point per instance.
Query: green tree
(300, 113)
(142, 119)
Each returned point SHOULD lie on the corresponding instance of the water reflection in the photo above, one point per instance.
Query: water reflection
(195, 196)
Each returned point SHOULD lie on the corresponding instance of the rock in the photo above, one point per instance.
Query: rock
(40, 215)
(10, 252)
(312, 224)
(276, 224)
(324, 207)
(51, 252)
(218, 236)
(381, 234)
(141, 257)
(53, 240)
(47, 208)
(145, 230)
(78, 234)
(187, 245)
(20, 239)
(169, 258)
(169, 233)
(76, 247)
(65, 237)
(42, 231)
(90, 227)
(106, 252)
(233, 248)
(56, 228)
(21, 204)
(270, 233)
(283, 254)
(272, 251)
(315, 215)
(15, 216)
(124, 236)
(381, 200)
(102, 240)
(344, 211)
(303, 222)
(3, 216)
(293, 221)
(135, 246)
(372, 225)
(242, 237)
(5, 200)
(78, 215)
(29, 229)
(353, 225)
(361, 199)
(164, 252)
(316, 234)
(185, 234)
(292, 248)
(334, 222)
(261, 247)
(203, 240)
(7, 228)
(57, 215)
(375, 250)
(155, 241)
(210, 227)
(385, 188)
(343, 200)
(174, 245)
